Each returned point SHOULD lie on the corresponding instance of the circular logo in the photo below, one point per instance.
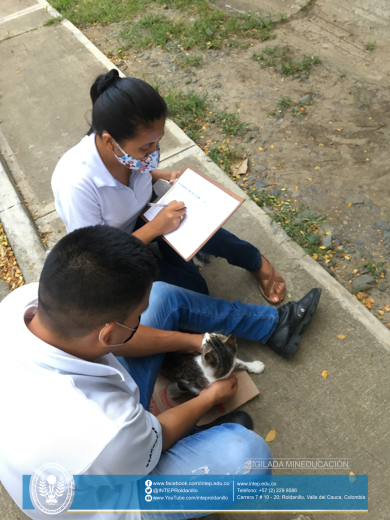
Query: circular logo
(148, 483)
(52, 489)
(148, 498)
(148, 490)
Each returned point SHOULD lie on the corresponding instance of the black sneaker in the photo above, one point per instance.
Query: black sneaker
(239, 417)
(294, 317)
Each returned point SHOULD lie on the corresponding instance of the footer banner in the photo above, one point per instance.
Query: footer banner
(278, 493)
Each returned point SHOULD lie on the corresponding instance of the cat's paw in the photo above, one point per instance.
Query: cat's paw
(173, 390)
(255, 367)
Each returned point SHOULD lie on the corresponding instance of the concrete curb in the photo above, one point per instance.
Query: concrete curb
(20, 229)
(16, 216)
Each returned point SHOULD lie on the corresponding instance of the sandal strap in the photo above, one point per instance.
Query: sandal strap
(271, 278)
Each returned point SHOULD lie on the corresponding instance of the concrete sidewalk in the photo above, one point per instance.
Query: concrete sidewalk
(46, 74)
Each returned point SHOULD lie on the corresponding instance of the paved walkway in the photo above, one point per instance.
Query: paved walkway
(46, 74)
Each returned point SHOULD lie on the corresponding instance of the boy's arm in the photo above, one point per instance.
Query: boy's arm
(147, 341)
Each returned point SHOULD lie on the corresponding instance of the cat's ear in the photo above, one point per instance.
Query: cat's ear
(209, 355)
(210, 358)
(231, 341)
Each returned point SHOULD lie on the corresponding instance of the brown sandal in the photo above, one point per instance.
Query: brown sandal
(268, 282)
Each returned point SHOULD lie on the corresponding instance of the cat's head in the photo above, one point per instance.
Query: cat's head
(219, 353)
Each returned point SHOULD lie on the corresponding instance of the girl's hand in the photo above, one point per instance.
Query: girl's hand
(169, 218)
(173, 176)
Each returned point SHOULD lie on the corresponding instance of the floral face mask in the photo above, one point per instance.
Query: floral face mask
(146, 165)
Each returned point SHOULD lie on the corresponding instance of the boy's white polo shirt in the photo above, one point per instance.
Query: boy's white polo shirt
(58, 408)
(86, 194)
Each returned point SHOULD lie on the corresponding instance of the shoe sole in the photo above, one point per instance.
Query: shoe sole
(296, 338)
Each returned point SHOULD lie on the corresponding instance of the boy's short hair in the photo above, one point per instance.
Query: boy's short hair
(92, 276)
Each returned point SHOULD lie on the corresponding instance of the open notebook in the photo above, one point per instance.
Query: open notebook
(208, 204)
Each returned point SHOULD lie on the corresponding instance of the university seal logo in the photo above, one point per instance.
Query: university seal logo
(52, 489)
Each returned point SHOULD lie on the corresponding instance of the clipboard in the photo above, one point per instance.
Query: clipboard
(224, 204)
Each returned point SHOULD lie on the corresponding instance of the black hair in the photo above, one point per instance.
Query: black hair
(94, 275)
(124, 106)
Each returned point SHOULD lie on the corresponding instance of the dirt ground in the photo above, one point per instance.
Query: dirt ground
(334, 158)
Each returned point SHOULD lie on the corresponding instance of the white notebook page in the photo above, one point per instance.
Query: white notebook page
(207, 207)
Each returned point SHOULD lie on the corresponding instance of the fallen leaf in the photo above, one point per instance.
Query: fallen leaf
(361, 295)
(309, 179)
(315, 256)
(239, 166)
(324, 374)
(347, 257)
(387, 308)
(322, 247)
(354, 271)
(368, 304)
(271, 436)
(371, 299)
(340, 336)
(349, 205)
(317, 168)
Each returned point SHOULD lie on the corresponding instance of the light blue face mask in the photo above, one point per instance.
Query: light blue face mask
(146, 165)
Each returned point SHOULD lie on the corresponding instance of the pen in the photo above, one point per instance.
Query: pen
(157, 205)
(160, 205)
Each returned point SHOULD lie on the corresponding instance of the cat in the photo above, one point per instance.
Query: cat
(194, 372)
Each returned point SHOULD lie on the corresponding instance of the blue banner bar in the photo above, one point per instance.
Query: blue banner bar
(297, 493)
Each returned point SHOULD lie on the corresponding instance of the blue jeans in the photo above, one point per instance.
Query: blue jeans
(175, 270)
(172, 308)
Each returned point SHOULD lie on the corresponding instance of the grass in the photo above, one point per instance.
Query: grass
(189, 61)
(299, 110)
(207, 28)
(283, 62)
(375, 269)
(53, 21)
(188, 110)
(212, 29)
(370, 46)
(284, 102)
(230, 124)
(291, 217)
(223, 156)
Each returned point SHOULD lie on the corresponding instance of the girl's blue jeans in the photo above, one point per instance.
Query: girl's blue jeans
(175, 270)
(202, 452)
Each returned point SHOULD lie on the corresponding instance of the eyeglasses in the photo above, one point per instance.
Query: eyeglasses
(128, 328)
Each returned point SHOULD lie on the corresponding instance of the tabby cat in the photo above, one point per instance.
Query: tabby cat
(194, 372)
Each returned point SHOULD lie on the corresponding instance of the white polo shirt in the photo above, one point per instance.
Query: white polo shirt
(57, 408)
(86, 194)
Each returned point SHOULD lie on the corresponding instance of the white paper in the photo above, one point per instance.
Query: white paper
(207, 208)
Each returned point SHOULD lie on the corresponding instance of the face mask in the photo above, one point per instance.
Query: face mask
(147, 165)
(124, 326)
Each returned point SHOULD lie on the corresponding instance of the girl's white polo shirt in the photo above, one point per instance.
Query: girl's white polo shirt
(57, 408)
(86, 194)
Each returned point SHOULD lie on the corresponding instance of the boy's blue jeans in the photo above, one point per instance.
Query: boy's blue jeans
(202, 452)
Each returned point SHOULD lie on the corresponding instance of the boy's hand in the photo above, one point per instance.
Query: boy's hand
(223, 390)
